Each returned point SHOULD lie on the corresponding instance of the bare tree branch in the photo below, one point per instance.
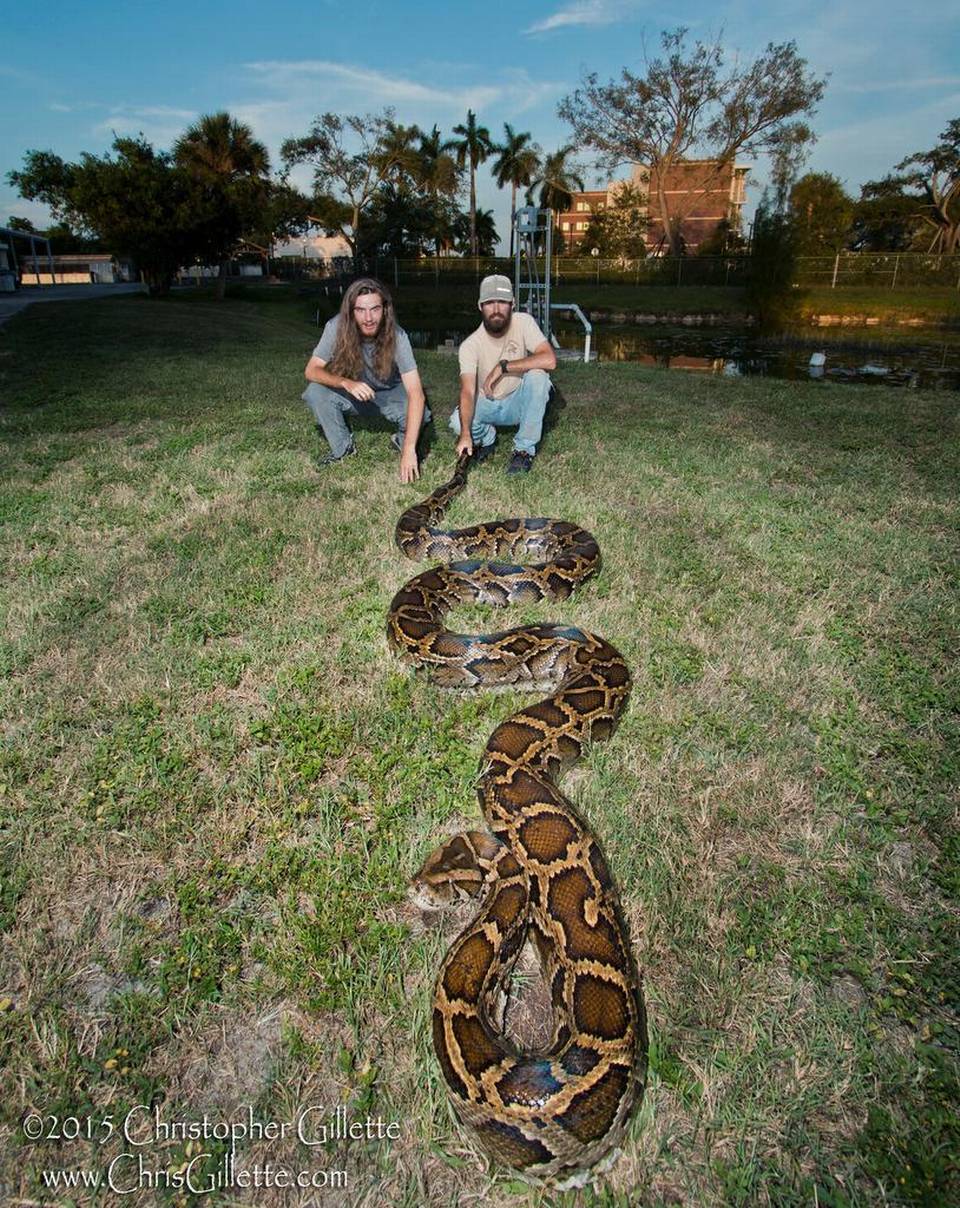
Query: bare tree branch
(685, 108)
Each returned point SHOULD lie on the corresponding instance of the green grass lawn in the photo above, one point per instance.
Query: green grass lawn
(215, 780)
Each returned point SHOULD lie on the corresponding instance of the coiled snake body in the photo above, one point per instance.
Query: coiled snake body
(550, 1114)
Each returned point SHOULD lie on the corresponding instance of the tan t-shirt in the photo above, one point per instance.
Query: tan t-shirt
(480, 351)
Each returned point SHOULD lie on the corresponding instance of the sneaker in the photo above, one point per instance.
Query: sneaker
(520, 463)
(482, 453)
(396, 440)
(322, 460)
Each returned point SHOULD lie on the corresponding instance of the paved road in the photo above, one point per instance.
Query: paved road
(11, 304)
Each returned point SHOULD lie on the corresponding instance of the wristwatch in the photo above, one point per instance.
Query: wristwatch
(503, 366)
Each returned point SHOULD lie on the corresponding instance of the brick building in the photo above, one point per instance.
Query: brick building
(702, 193)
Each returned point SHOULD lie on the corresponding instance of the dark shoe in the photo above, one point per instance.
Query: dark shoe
(396, 440)
(482, 453)
(520, 463)
(322, 460)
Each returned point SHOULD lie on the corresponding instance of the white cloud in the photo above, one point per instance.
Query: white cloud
(344, 85)
(581, 12)
(159, 124)
(19, 75)
(380, 88)
(83, 106)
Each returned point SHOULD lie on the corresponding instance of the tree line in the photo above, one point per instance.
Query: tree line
(394, 189)
(915, 207)
(387, 188)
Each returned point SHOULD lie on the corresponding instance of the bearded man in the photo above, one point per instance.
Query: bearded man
(364, 365)
(509, 358)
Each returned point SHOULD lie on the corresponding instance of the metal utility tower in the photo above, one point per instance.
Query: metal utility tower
(534, 230)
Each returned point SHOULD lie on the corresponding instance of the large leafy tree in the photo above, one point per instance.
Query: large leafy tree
(473, 147)
(687, 107)
(773, 257)
(400, 222)
(231, 168)
(136, 200)
(821, 213)
(351, 157)
(726, 239)
(398, 153)
(284, 214)
(517, 164)
(619, 230)
(885, 217)
(917, 207)
(934, 175)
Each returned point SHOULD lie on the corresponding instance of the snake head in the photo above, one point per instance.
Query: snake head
(455, 872)
(427, 897)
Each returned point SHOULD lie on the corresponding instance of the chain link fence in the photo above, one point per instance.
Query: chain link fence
(680, 270)
(893, 270)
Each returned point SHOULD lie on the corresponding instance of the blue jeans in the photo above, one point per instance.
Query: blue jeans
(330, 406)
(524, 407)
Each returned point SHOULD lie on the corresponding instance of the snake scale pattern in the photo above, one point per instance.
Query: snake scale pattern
(537, 870)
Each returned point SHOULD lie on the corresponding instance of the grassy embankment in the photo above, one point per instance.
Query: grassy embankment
(454, 304)
(215, 779)
(936, 304)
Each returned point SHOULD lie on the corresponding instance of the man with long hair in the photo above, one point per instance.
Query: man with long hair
(364, 365)
(504, 379)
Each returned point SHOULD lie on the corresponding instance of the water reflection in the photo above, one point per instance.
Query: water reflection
(729, 352)
(736, 353)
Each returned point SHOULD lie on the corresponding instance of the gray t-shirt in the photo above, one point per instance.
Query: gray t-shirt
(403, 359)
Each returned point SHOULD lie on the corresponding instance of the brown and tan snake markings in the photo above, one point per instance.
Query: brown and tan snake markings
(538, 870)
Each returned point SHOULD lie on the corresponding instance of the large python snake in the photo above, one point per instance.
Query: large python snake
(550, 1114)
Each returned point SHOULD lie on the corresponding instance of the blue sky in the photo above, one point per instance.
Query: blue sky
(72, 75)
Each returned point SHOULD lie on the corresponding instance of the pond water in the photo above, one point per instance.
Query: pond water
(928, 359)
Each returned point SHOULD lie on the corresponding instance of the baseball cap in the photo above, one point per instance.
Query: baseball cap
(496, 289)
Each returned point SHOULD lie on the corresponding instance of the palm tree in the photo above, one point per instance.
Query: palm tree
(487, 237)
(437, 172)
(397, 157)
(557, 180)
(439, 176)
(473, 146)
(485, 231)
(224, 157)
(518, 164)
